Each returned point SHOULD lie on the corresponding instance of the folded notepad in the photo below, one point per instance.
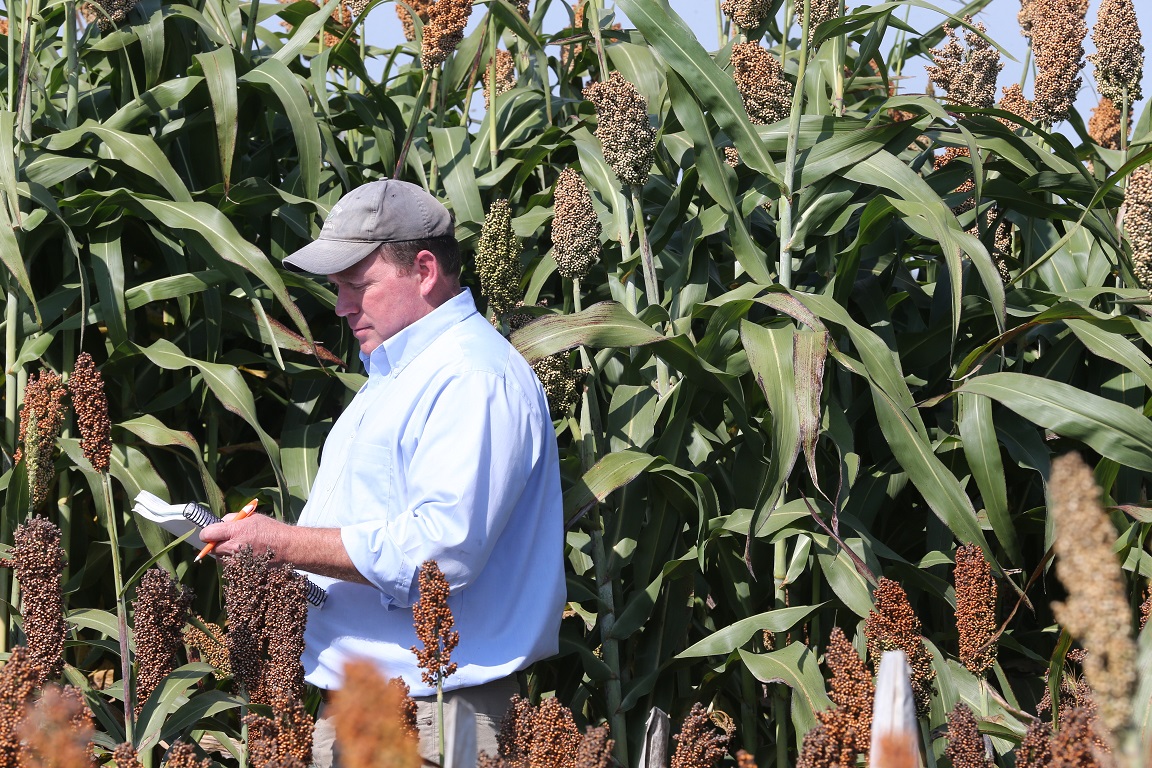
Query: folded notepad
(179, 519)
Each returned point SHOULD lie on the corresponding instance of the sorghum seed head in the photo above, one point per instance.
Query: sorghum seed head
(1096, 612)
(443, 31)
(745, 759)
(4, 27)
(562, 384)
(498, 260)
(183, 755)
(965, 744)
(90, 402)
(41, 416)
(623, 128)
(892, 625)
(1035, 750)
(212, 647)
(821, 11)
(851, 687)
(595, 748)
(39, 561)
(975, 609)
(700, 743)
(1015, 103)
(1119, 57)
(505, 76)
(1145, 608)
(161, 611)
(831, 744)
(283, 740)
(746, 14)
(760, 79)
(421, 7)
(19, 678)
(522, 7)
(1138, 223)
(366, 738)
(57, 730)
(1058, 32)
(555, 737)
(433, 622)
(1077, 744)
(1104, 124)
(967, 75)
(514, 741)
(124, 756)
(115, 13)
(575, 228)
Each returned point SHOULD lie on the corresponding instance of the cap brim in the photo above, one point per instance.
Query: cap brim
(327, 257)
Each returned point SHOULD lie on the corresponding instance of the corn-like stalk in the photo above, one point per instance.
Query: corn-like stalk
(788, 193)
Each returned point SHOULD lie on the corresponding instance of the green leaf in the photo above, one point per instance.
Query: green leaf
(606, 324)
(275, 74)
(1113, 430)
(152, 431)
(611, 473)
(91, 618)
(142, 154)
(724, 641)
(983, 453)
(796, 667)
(220, 73)
(769, 353)
(453, 156)
(170, 694)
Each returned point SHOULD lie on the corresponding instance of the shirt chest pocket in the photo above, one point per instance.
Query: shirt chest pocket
(367, 482)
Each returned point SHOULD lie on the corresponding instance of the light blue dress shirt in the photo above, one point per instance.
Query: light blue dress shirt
(446, 453)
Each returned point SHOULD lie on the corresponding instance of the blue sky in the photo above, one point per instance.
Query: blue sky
(999, 17)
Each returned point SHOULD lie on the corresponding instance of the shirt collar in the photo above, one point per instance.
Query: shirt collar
(403, 347)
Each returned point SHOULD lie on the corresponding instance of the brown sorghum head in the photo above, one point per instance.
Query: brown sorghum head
(831, 744)
(595, 748)
(760, 79)
(283, 740)
(124, 756)
(39, 560)
(421, 7)
(744, 759)
(1096, 612)
(245, 589)
(850, 688)
(892, 625)
(41, 416)
(514, 741)
(373, 720)
(1145, 608)
(965, 744)
(443, 31)
(700, 743)
(211, 646)
(18, 680)
(575, 228)
(967, 75)
(746, 14)
(4, 27)
(183, 755)
(505, 76)
(498, 260)
(623, 128)
(1119, 57)
(1058, 31)
(161, 611)
(975, 609)
(555, 737)
(821, 11)
(968, 186)
(1077, 744)
(284, 632)
(1104, 124)
(1138, 223)
(1035, 750)
(57, 731)
(115, 12)
(433, 622)
(1017, 104)
(90, 402)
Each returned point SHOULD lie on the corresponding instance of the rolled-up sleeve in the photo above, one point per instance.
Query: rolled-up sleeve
(470, 460)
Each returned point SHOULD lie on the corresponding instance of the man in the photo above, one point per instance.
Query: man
(446, 453)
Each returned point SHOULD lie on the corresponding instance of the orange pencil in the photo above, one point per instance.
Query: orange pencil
(247, 511)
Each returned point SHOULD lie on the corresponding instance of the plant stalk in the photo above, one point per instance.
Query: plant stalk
(780, 692)
(788, 193)
(594, 22)
(493, 143)
(440, 715)
(613, 689)
(417, 107)
(121, 607)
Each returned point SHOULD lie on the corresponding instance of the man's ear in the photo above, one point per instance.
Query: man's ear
(428, 270)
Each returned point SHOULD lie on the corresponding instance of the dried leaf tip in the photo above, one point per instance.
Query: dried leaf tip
(623, 128)
(760, 79)
(575, 228)
(967, 73)
(498, 260)
(892, 625)
(1096, 612)
(443, 31)
(368, 739)
(90, 401)
(1119, 57)
(975, 609)
(433, 622)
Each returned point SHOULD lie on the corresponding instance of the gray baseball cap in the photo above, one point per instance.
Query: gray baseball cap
(388, 211)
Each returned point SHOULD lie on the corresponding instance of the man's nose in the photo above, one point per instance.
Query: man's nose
(344, 304)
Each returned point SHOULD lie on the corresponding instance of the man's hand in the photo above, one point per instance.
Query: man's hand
(316, 550)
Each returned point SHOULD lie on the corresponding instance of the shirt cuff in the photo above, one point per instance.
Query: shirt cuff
(380, 561)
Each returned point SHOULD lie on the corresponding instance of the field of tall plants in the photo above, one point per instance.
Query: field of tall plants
(835, 368)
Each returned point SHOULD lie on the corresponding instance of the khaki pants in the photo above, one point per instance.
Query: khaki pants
(490, 702)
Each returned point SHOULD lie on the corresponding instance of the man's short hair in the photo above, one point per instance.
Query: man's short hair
(403, 253)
